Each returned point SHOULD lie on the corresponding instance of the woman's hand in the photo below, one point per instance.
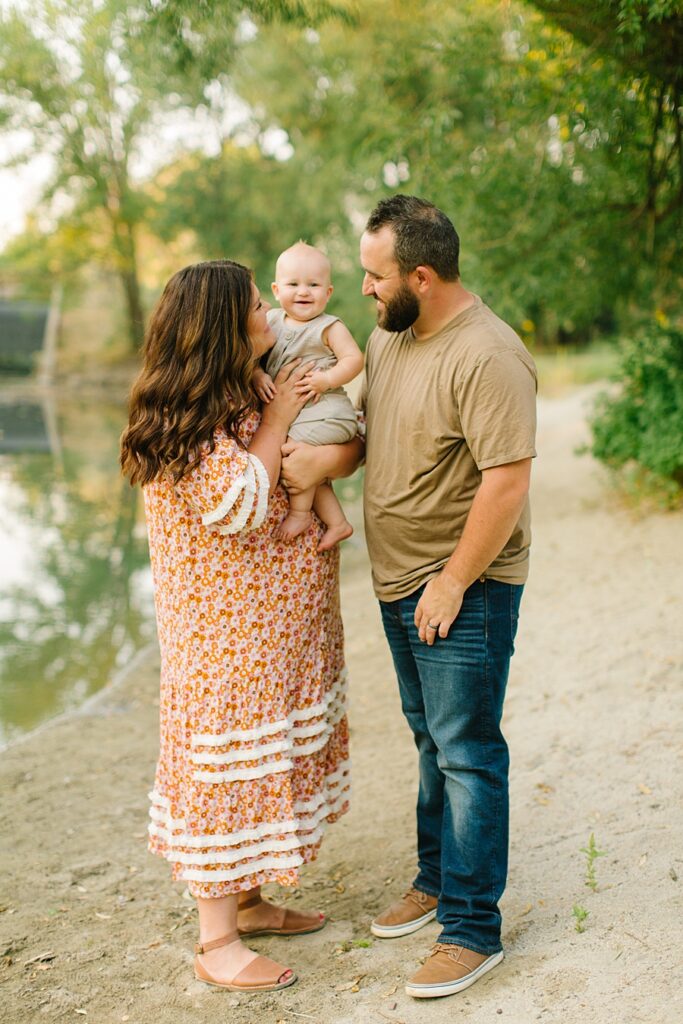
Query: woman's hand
(292, 392)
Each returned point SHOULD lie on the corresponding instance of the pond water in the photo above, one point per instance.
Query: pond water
(76, 599)
(75, 585)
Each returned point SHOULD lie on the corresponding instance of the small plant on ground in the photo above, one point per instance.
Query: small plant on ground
(592, 854)
(591, 851)
(580, 915)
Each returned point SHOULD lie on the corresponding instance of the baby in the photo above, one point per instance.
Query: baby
(303, 330)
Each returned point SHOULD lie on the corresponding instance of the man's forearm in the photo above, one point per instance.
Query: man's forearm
(492, 519)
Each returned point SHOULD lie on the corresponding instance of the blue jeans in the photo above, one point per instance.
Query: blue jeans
(452, 695)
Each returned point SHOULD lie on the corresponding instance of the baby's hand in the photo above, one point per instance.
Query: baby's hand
(263, 385)
(318, 381)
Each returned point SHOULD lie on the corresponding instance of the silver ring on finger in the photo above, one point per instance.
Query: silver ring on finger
(430, 626)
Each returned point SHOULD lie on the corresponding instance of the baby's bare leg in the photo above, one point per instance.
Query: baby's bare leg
(299, 517)
(327, 508)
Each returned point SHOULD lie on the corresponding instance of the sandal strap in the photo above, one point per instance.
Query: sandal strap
(225, 940)
(253, 901)
(249, 975)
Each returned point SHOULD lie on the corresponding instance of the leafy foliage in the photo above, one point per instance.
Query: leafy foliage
(644, 38)
(80, 78)
(203, 34)
(647, 35)
(643, 421)
(539, 149)
(553, 141)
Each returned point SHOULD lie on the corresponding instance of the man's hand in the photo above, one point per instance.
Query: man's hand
(299, 467)
(307, 465)
(438, 607)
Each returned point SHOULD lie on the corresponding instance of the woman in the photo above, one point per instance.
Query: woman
(254, 741)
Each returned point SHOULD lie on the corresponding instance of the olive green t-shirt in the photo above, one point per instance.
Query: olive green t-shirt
(439, 411)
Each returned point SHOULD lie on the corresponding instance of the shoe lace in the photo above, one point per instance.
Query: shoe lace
(416, 896)
(453, 952)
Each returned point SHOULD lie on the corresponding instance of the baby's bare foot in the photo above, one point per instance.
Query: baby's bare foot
(292, 525)
(333, 534)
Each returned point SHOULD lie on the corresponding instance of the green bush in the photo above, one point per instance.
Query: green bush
(642, 423)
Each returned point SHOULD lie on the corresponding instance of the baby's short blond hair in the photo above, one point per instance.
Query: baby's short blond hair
(299, 250)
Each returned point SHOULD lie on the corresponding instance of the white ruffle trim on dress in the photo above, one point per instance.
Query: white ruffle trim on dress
(268, 846)
(253, 486)
(335, 696)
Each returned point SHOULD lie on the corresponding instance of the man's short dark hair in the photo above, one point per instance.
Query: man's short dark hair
(424, 235)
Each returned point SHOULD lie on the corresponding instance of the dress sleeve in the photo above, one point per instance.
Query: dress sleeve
(228, 488)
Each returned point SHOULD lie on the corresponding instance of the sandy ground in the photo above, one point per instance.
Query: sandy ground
(91, 927)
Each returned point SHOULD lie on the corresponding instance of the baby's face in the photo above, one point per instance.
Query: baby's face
(302, 284)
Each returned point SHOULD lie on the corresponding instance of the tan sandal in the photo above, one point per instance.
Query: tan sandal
(291, 921)
(246, 980)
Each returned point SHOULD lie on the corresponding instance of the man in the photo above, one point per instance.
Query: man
(450, 405)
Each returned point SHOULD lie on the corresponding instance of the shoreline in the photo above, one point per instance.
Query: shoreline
(90, 704)
(91, 925)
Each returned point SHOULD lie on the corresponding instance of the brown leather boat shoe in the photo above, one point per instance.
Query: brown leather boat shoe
(411, 912)
(449, 969)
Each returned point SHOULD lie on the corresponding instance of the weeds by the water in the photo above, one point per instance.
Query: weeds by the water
(592, 854)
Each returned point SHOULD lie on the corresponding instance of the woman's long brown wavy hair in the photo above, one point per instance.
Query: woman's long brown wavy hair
(196, 375)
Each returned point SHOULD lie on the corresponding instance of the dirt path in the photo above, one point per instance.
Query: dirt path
(594, 723)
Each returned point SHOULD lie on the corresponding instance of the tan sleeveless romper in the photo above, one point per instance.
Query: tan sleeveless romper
(332, 420)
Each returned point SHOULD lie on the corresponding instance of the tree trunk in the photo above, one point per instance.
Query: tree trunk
(128, 274)
(136, 316)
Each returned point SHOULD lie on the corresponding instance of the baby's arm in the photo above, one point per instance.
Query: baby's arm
(349, 360)
(263, 384)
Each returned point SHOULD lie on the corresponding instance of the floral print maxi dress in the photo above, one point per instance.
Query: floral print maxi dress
(254, 739)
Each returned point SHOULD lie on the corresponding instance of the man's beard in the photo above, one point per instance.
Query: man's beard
(400, 312)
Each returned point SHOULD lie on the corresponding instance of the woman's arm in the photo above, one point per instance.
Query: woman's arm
(291, 395)
(306, 465)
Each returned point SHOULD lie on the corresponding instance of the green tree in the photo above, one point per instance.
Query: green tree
(203, 33)
(87, 84)
(535, 144)
(249, 206)
(644, 38)
(644, 35)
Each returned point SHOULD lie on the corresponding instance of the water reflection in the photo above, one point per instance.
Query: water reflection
(75, 590)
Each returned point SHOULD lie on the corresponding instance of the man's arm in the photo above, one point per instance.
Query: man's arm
(306, 465)
(494, 513)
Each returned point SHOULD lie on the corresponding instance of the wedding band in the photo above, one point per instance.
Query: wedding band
(429, 626)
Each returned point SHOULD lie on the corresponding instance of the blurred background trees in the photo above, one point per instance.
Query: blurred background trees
(551, 133)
